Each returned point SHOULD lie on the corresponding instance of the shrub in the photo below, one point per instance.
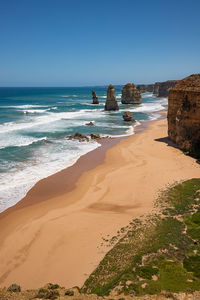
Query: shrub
(14, 288)
(47, 294)
(52, 286)
(69, 293)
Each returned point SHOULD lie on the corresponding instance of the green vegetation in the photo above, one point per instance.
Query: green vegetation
(52, 286)
(44, 293)
(69, 293)
(162, 253)
(14, 288)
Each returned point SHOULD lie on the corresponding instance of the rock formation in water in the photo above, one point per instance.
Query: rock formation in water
(131, 95)
(161, 89)
(111, 101)
(89, 124)
(94, 136)
(184, 114)
(149, 88)
(128, 116)
(78, 136)
(95, 99)
(141, 88)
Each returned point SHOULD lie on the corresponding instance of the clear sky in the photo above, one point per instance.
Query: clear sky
(90, 42)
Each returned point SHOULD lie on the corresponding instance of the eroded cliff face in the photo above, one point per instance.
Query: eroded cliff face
(131, 95)
(141, 88)
(111, 101)
(149, 88)
(164, 87)
(161, 89)
(184, 114)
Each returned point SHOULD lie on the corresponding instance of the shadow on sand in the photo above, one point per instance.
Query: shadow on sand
(169, 143)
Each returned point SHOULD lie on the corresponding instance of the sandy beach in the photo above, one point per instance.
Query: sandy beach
(55, 233)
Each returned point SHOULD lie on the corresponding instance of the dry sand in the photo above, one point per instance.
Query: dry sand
(54, 234)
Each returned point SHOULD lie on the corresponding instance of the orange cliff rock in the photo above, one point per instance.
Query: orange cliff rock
(111, 101)
(184, 114)
(131, 95)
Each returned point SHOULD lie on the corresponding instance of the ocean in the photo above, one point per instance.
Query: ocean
(35, 123)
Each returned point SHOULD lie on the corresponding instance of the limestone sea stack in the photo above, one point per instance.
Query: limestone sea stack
(95, 99)
(131, 95)
(184, 114)
(111, 101)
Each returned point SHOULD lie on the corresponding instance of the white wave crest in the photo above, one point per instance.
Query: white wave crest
(15, 184)
(37, 121)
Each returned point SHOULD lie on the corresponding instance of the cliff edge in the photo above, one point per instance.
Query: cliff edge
(184, 114)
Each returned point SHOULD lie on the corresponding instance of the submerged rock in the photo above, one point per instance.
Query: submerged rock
(131, 95)
(184, 114)
(95, 99)
(111, 101)
(78, 136)
(128, 116)
(89, 124)
(95, 136)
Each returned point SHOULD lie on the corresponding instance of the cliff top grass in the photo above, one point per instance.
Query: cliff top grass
(160, 253)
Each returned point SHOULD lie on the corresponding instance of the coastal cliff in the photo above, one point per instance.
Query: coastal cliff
(184, 114)
(111, 101)
(161, 89)
(131, 95)
(141, 88)
(150, 88)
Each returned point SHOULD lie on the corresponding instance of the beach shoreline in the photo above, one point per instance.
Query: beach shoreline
(65, 180)
(59, 239)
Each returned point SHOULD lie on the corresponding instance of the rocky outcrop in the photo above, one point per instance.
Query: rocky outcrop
(95, 99)
(75, 293)
(94, 136)
(161, 89)
(78, 136)
(111, 101)
(131, 95)
(141, 88)
(184, 114)
(128, 116)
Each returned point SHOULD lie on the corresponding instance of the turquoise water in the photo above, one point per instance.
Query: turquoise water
(34, 124)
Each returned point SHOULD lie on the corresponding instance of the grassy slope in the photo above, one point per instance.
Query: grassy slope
(161, 254)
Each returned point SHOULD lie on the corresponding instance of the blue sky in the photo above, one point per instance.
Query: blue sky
(85, 42)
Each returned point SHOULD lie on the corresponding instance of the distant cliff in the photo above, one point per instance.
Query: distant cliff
(161, 89)
(184, 114)
(141, 88)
